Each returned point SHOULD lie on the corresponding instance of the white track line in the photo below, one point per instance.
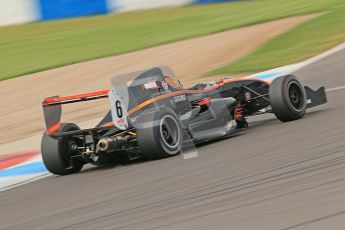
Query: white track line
(7, 183)
(335, 88)
(323, 55)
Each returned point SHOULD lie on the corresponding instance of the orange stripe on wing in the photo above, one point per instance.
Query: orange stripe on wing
(54, 128)
(102, 93)
(206, 101)
(108, 124)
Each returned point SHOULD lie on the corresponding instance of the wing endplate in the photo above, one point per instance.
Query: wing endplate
(118, 100)
(315, 98)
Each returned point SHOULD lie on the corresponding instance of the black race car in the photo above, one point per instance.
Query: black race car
(153, 116)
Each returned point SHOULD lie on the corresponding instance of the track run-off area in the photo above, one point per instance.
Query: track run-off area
(271, 176)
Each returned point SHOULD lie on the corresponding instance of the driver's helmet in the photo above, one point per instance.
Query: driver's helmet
(172, 83)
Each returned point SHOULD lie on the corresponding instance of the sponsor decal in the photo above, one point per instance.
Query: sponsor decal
(151, 85)
(165, 85)
(121, 121)
(180, 98)
(135, 119)
(247, 96)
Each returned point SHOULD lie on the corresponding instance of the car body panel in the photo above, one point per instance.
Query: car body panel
(206, 110)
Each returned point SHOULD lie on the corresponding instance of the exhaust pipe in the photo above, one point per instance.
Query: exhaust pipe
(103, 145)
(111, 143)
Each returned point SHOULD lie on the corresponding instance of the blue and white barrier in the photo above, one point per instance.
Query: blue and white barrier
(59, 9)
(131, 5)
(18, 11)
(24, 11)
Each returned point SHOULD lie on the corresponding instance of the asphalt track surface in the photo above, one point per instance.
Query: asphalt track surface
(272, 176)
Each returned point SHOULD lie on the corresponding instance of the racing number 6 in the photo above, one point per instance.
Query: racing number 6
(118, 109)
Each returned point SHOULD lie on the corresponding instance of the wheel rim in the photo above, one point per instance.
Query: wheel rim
(67, 151)
(170, 132)
(296, 96)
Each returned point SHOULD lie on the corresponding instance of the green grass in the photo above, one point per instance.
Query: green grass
(302, 42)
(39, 46)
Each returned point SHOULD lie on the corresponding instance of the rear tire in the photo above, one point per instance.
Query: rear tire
(287, 98)
(159, 134)
(56, 153)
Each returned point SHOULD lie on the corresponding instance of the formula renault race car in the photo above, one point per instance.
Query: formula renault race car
(153, 116)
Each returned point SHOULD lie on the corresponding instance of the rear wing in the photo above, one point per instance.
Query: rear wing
(52, 107)
(75, 98)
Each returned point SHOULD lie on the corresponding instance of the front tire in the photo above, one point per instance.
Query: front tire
(287, 98)
(57, 153)
(159, 134)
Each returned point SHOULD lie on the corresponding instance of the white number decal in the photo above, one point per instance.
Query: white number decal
(118, 110)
